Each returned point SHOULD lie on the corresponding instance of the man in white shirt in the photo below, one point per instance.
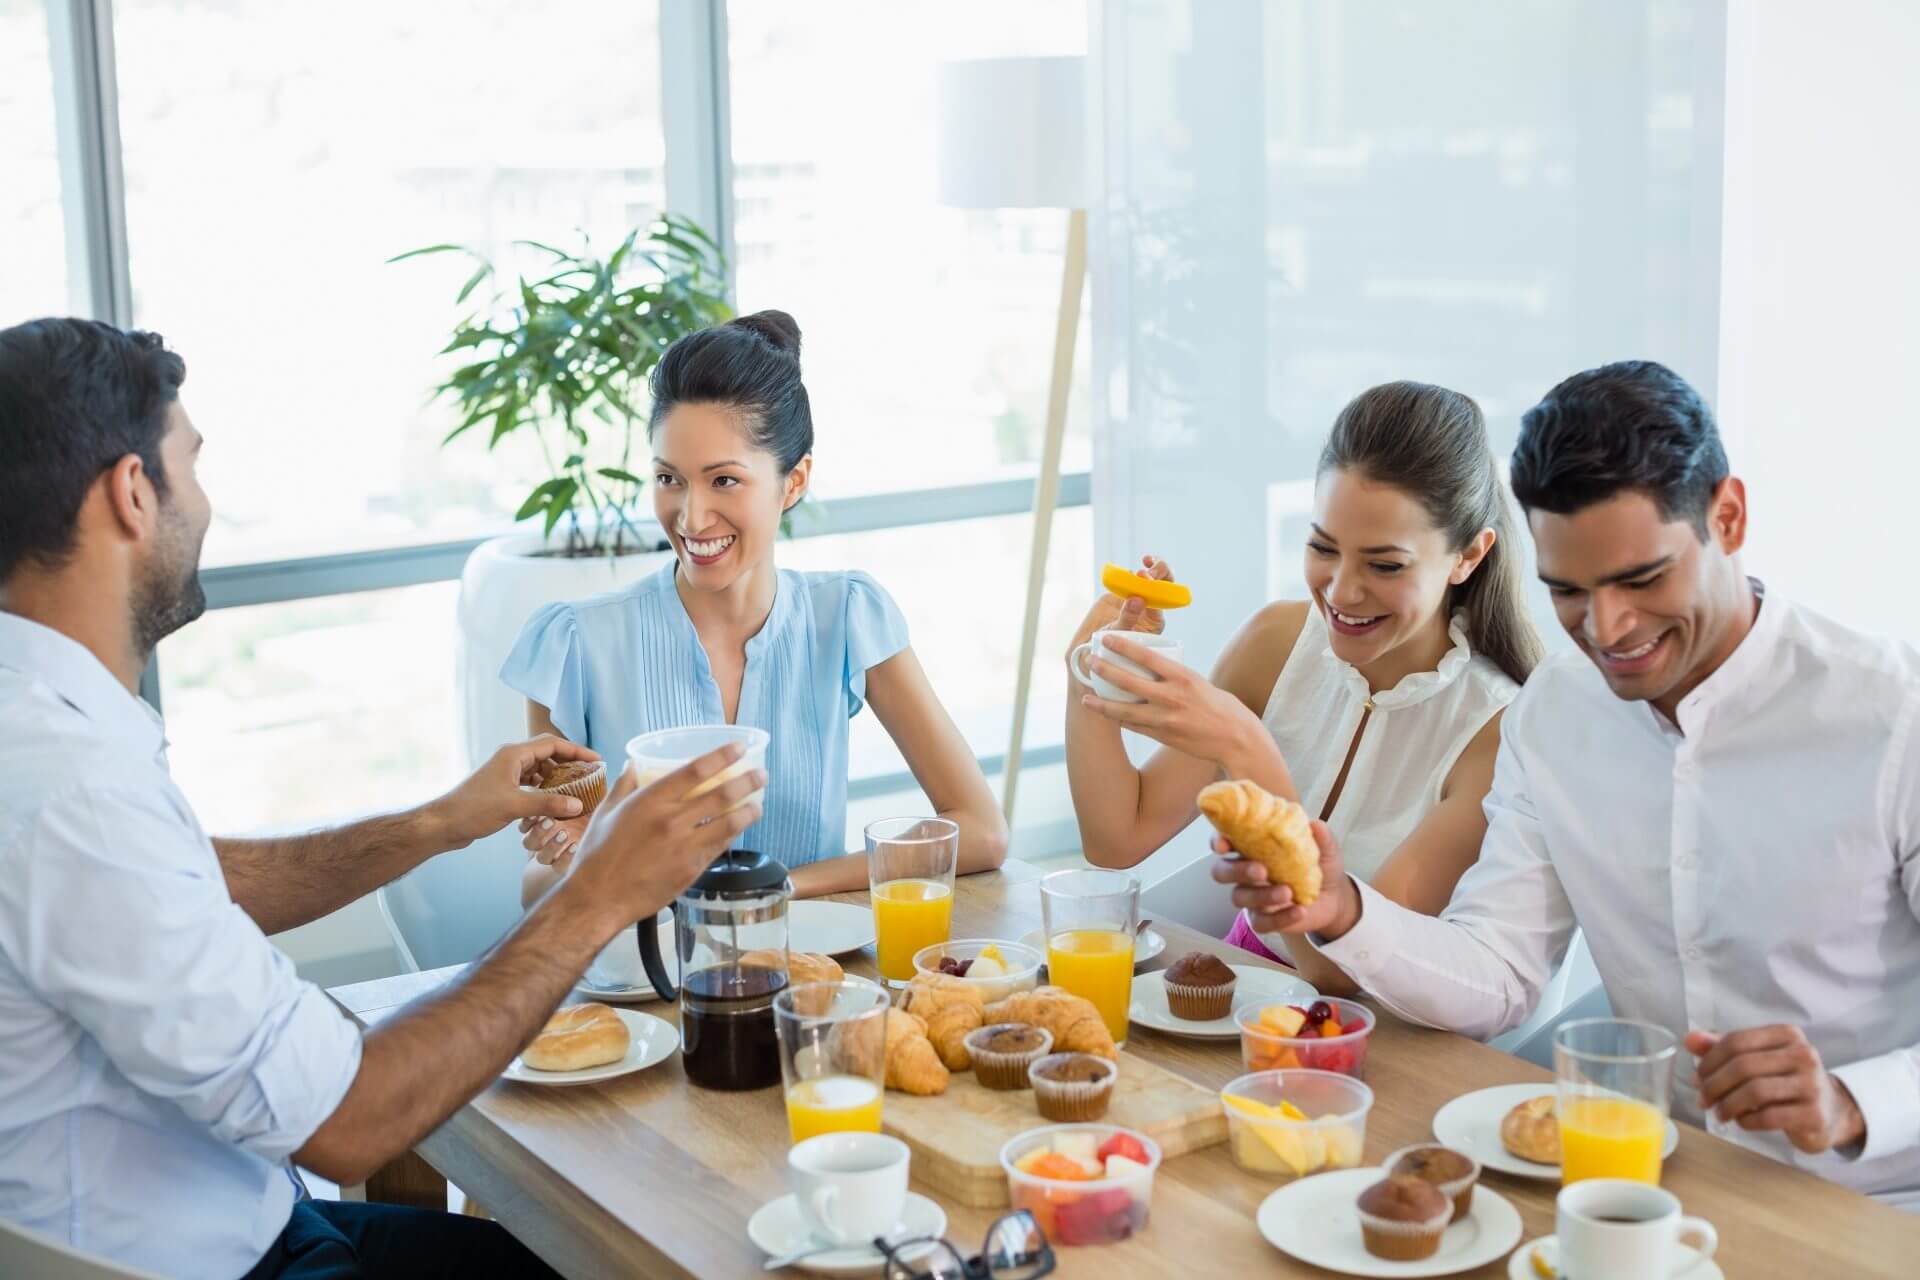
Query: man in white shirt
(1722, 789)
(161, 1065)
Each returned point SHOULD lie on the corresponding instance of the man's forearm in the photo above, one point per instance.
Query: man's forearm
(286, 881)
(424, 1063)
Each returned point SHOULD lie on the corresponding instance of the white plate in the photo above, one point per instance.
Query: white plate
(1471, 1122)
(1520, 1267)
(829, 928)
(1145, 947)
(776, 1229)
(654, 1041)
(1313, 1219)
(1256, 986)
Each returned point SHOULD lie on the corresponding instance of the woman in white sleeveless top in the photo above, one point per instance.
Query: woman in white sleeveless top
(1375, 704)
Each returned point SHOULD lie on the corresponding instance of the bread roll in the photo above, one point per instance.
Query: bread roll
(1532, 1131)
(576, 1037)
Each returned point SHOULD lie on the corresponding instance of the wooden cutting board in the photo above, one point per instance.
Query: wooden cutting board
(956, 1137)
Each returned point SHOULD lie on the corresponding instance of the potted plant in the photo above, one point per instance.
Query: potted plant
(564, 358)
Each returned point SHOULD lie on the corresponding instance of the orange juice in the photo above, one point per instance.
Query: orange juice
(833, 1104)
(909, 915)
(1097, 965)
(1610, 1138)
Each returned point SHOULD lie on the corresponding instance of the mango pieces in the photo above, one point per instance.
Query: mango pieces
(1125, 583)
(1280, 1139)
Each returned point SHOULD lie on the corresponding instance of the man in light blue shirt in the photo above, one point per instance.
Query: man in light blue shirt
(161, 1064)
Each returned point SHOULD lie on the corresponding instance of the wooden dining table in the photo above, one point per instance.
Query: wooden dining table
(647, 1175)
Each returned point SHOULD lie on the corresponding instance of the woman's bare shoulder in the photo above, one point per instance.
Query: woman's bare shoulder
(1253, 659)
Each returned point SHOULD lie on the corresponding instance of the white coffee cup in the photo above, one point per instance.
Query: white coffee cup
(618, 964)
(1166, 646)
(849, 1187)
(1613, 1229)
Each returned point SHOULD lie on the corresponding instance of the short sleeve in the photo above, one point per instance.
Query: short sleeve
(876, 630)
(131, 933)
(547, 665)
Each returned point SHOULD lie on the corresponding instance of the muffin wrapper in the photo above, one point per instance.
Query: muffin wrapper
(1006, 1071)
(589, 791)
(1201, 1004)
(1067, 1102)
(1406, 1230)
(1460, 1190)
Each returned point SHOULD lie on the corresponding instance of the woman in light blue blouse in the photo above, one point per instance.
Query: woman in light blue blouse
(723, 636)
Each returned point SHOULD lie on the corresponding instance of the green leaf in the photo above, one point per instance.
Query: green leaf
(480, 273)
(432, 248)
(560, 502)
(561, 254)
(625, 477)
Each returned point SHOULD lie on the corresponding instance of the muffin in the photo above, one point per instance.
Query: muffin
(1200, 987)
(1002, 1053)
(1069, 1087)
(1402, 1218)
(584, 780)
(1453, 1173)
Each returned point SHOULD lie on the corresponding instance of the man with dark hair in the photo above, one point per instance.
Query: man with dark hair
(161, 1065)
(1721, 788)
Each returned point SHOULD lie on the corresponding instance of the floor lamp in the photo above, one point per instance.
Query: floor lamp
(1012, 136)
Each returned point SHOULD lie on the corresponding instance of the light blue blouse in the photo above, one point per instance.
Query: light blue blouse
(629, 662)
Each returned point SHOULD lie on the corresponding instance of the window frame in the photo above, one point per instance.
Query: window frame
(695, 108)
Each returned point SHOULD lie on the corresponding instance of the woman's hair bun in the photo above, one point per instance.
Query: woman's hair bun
(780, 330)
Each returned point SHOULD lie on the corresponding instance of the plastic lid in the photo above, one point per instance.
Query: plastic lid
(739, 872)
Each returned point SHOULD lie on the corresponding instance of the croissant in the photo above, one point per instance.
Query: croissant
(1531, 1131)
(951, 1008)
(1076, 1025)
(1271, 830)
(912, 1065)
(802, 967)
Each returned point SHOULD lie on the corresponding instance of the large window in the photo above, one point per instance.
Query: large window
(929, 330)
(277, 155)
(33, 262)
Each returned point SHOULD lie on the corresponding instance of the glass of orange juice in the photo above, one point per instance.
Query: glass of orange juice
(833, 1055)
(1090, 918)
(910, 866)
(1615, 1079)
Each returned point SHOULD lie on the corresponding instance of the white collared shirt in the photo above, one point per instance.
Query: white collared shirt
(1759, 864)
(160, 1061)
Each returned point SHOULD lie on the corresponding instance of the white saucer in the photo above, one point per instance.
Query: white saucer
(1471, 1122)
(1520, 1266)
(776, 1229)
(654, 1041)
(1256, 986)
(828, 928)
(1145, 947)
(1314, 1220)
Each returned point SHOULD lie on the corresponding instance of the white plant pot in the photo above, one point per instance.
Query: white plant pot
(503, 582)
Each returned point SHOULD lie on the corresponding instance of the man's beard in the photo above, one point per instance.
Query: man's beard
(169, 596)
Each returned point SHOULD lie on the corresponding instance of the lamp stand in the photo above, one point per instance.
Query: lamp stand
(1047, 487)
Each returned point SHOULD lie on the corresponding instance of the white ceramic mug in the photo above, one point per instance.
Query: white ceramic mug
(1613, 1229)
(1166, 646)
(849, 1187)
(618, 964)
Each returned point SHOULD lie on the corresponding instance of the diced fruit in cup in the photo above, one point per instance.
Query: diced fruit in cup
(1072, 1215)
(1053, 1165)
(1124, 1144)
(1277, 1138)
(955, 967)
(1283, 1019)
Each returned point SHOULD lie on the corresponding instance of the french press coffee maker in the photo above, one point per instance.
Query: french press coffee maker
(730, 938)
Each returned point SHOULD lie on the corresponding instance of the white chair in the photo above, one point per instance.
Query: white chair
(451, 908)
(28, 1255)
(1190, 896)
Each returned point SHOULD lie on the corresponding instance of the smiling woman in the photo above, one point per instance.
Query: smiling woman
(723, 635)
(1375, 704)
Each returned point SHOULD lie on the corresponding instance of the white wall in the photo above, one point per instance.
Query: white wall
(1821, 335)
(1302, 198)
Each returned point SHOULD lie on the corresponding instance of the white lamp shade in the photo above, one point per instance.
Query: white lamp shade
(1013, 133)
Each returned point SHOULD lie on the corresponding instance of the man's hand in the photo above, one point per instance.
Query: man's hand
(1771, 1079)
(495, 795)
(1271, 907)
(644, 846)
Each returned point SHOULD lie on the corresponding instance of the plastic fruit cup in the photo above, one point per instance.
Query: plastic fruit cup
(1096, 1211)
(1264, 1050)
(1023, 965)
(1333, 1135)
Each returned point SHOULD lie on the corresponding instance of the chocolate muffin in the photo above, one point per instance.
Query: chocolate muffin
(1402, 1218)
(1069, 1087)
(1003, 1051)
(584, 780)
(1453, 1173)
(1200, 987)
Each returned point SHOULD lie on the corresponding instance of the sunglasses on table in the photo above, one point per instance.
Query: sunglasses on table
(1015, 1249)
